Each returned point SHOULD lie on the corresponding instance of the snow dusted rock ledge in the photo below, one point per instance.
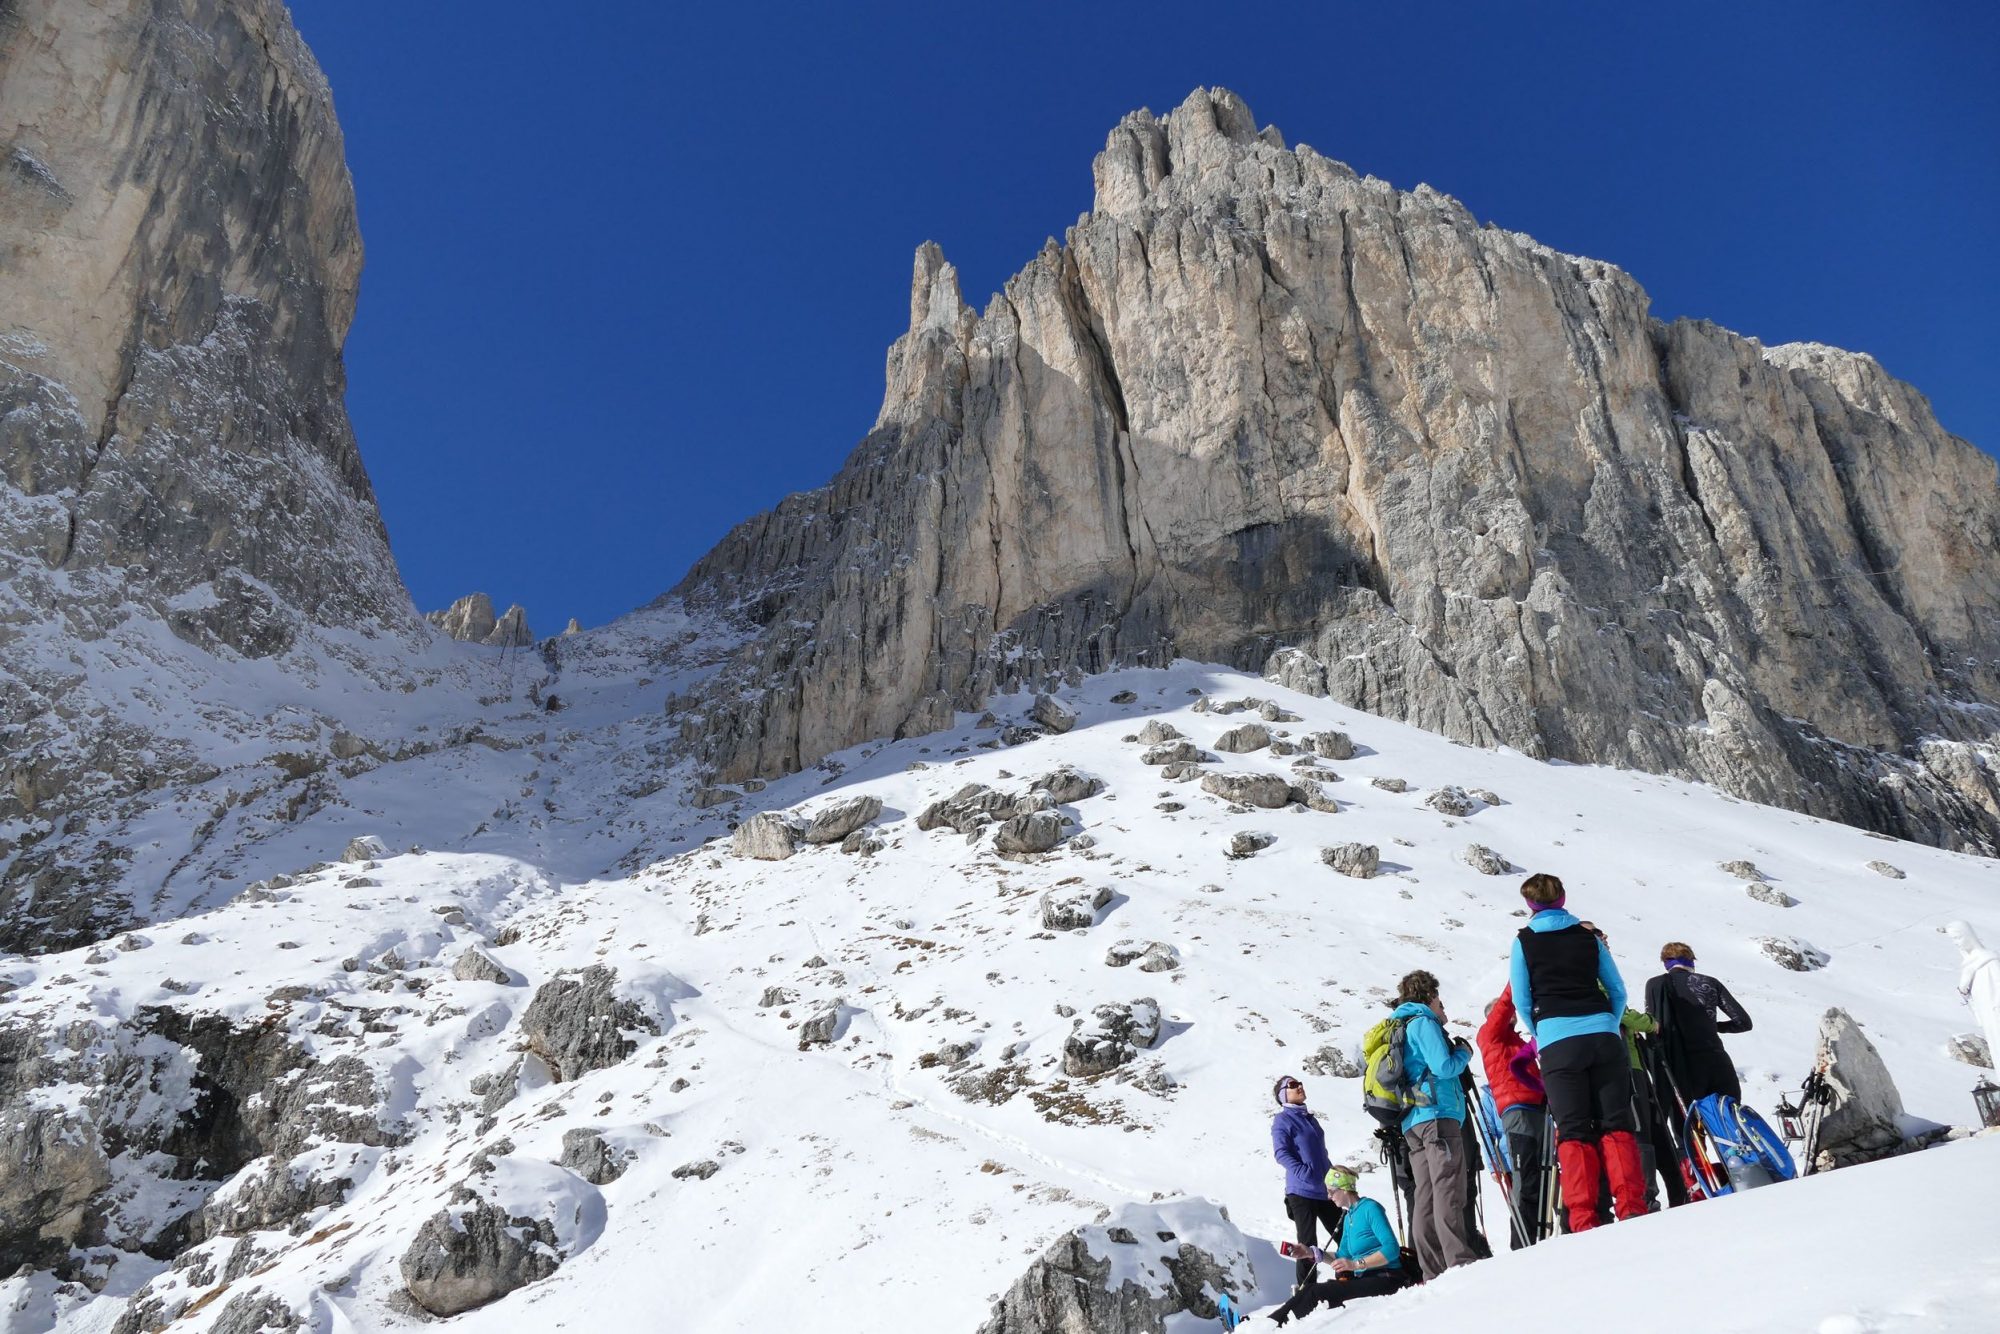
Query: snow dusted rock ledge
(1129, 1274)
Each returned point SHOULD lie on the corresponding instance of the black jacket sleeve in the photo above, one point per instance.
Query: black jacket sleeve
(1739, 1018)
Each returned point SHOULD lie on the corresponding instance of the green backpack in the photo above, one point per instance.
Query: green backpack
(1386, 1088)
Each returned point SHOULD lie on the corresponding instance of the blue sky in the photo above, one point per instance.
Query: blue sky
(632, 268)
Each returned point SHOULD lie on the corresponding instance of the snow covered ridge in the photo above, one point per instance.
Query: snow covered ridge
(590, 1065)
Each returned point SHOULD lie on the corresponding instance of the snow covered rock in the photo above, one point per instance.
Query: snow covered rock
(1359, 860)
(1023, 835)
(1266, 790)
(1156, 732)
(1066, 785)
(476, 965)
(835, 821)
(1449, 800)
(1242, 740)
(1172, 752)
(1764, 892)
(270, 1194)
(1111, 1036)
(1742, 870)
(1152, 956)
(586, 1153)
(1333, 1062)
(1792, 953)
(1052, 714)
(366, 848)
(578, 1024)
(1865, 1120)
(1248, 843)
(967, 810)
(258, 1312)
(823, 1026)
(1485, 860)
(1885, 869)
(768, 836)
(1329, 745)
(1971, 1049)
(1073, 907)
(861, 843)
(1131, 1274)
(466, 1256)
(1308, 793)
(1390, 784)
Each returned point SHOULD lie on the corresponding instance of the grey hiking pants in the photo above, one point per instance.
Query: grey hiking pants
(1437, 1224)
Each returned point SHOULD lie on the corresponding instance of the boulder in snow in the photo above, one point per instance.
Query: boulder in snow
(1242, 740)
(1066, 785)
(1769, 893)
(1885, 869)
(1865, 1120)
(1152, 956)
(476, 965)
(578, 1024)
(836, 820)
(464, 1257)
(1269, 791)
(1390, 784)
(1333, 1062)
(1155, 732)
(1329, 745)
(768, 836)
(1111, 1036)
(366, 848)
(1359, 860)
(1052, 714)
(1449, 800)
(1172, 752)
(586, 1153)
(1248, 843)
(1038, 831)
(1486, 861)
(1790, 952)
(1073, 907)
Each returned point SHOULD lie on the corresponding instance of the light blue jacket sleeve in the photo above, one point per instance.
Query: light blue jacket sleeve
(1607, 973)
(1440, 1057)
(1517, 980)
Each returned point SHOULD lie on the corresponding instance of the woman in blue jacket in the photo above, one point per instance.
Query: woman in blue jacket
(1368, 1262)
(1298, 1143)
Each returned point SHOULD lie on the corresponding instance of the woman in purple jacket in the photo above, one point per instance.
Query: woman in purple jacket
(1299, 1145)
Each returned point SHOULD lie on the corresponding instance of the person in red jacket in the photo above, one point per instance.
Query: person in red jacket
(1516, 1080)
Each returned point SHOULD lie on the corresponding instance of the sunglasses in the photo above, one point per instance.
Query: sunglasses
(1291, 1084)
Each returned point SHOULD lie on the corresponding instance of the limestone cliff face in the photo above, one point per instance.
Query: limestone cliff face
(1261, 411)
(178, 269)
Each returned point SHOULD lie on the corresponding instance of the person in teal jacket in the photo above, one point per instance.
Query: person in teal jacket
(1434, 1130)
(1368, 1262)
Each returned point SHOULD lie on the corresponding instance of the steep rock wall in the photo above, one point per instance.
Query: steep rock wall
(179, 484)
(1261, 411)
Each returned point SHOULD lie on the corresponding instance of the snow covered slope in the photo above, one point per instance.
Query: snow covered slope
(836, 1081)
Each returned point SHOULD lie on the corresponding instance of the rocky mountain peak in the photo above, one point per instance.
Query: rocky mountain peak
(1258, 410)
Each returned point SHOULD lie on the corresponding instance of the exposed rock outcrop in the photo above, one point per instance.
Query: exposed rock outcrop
(1508, 504)
(1130, 1274)
(471, 620)
(579, 1024)
(178, 479)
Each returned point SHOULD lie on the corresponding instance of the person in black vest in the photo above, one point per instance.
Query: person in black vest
(1569, 993)
(1683, 1003)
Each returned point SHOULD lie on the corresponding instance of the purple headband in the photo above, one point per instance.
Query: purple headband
(1561, 899)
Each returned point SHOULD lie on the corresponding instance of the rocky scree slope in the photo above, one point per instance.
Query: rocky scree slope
(956, 1012)
(1258, 410)
(181, 498)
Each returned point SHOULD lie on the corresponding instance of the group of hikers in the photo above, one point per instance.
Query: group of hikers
(1573, 1121)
